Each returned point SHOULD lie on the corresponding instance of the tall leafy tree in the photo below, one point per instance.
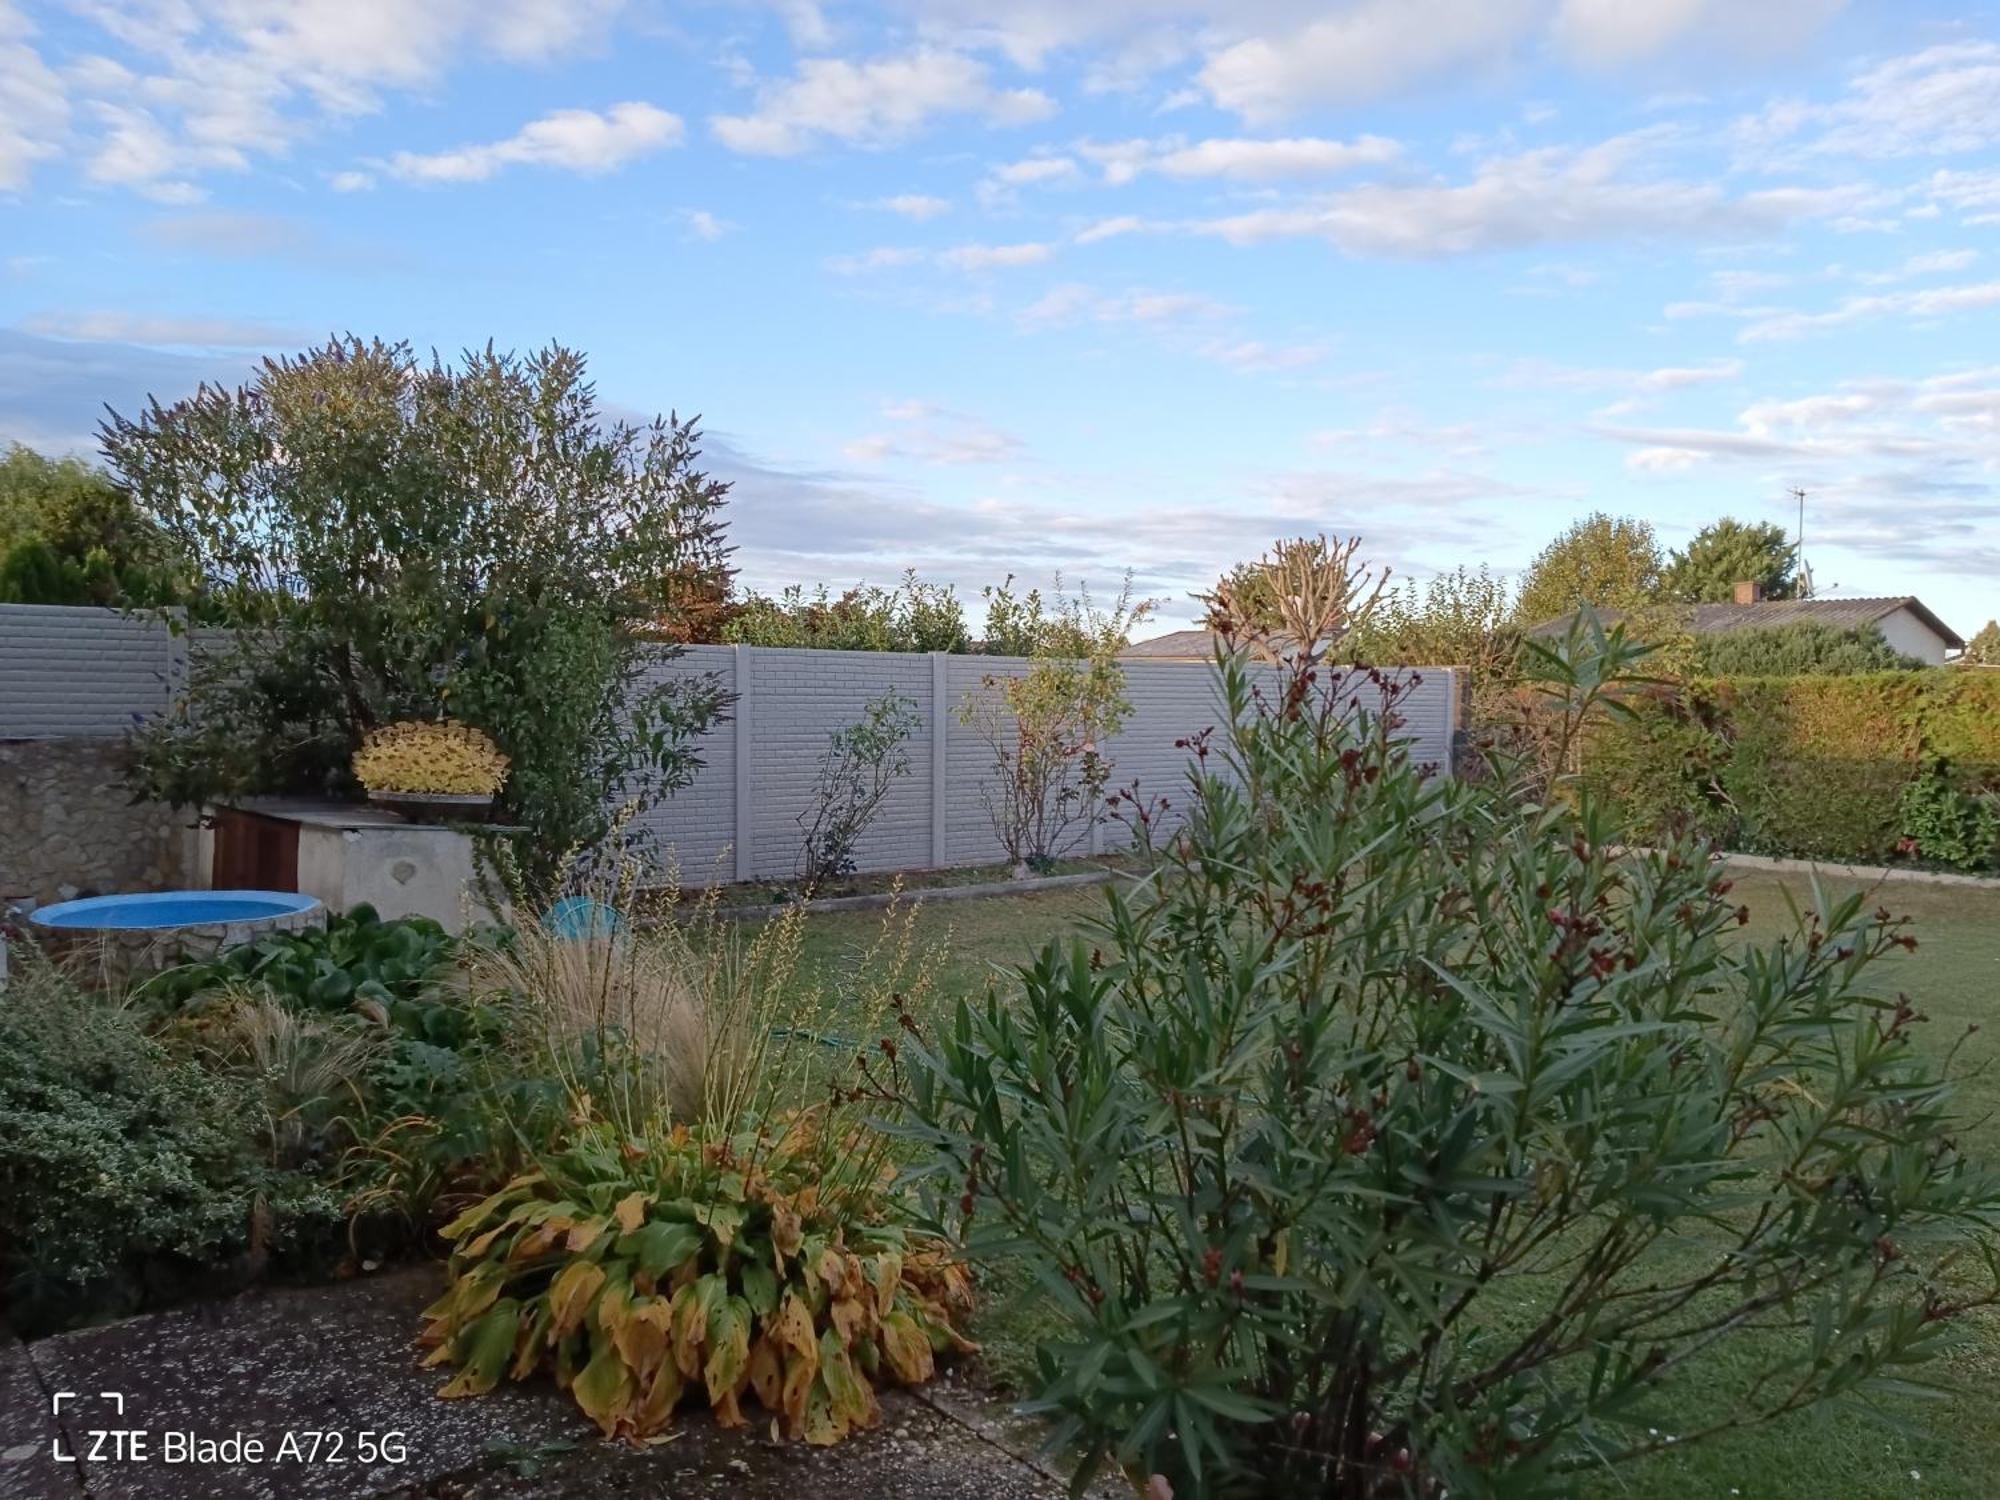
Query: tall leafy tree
(70, 535)
(1727, 552)
(1605, 561)
(400, 538)
(1984, 648)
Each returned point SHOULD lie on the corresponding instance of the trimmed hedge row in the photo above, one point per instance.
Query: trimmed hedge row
(1807, 766)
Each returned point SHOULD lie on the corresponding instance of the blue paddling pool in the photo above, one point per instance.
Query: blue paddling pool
(162, 910)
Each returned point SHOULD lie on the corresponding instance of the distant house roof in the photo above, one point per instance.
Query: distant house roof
(1835, 614)
(1175, 645)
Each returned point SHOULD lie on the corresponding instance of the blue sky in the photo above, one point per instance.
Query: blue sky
(1081, 284)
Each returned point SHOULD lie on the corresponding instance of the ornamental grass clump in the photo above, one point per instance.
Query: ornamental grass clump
(1398, 1136)
(430, 758)
(712, 1214)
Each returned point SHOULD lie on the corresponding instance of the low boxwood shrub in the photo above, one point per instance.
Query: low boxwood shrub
(127, 1176)
(1402, 1137)
(696, 1264)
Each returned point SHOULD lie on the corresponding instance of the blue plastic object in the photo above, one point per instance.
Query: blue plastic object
(576, 917)
(163, 909)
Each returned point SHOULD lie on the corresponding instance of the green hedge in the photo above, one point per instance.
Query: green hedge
(1810, 766)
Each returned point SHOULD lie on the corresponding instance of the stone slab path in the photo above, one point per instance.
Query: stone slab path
(326, 1384)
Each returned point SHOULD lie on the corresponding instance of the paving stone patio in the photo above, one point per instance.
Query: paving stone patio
(339, 1362)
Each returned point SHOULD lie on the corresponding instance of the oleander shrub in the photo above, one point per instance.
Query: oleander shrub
(1401, 1137)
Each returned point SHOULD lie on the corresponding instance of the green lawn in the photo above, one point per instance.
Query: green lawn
(1846, 1452)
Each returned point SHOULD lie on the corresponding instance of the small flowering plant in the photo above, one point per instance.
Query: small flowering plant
(1401, 1136)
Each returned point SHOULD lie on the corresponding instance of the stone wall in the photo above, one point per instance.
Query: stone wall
(68, 827)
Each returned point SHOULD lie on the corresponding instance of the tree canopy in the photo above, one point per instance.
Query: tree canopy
(400, 538)
(69, 535)
(1605, 561)
(1727, 552)
(1984, 648)
(914, 616)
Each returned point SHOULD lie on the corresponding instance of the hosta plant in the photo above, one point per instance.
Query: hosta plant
(697, 1266)
(1401, 1136)
(434, 758)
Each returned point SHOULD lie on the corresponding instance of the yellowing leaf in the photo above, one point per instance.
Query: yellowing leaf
(853, 1401)
(587, 1234)
(478, 1214)
(644, 1336)
(728, 1364)
(656, 1406)
(571, 1293)
(887, 1275)
(483, 1349)
(604, 1387)
(907, 1349)
(767, 1374)
(631, 1211)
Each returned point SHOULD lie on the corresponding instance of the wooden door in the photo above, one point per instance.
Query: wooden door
(254, 852)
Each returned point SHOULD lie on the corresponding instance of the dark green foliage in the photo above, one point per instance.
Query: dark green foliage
(1948, 825)
(1807, 766)
(127, 1176)
(914, 616)
(1805, 649)
(357, 956)
(1399, 1137)
(68, 535)
(400, 539)
(1727, 552)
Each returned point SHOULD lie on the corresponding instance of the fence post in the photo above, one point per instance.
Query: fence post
(940, 717)
(741, 714)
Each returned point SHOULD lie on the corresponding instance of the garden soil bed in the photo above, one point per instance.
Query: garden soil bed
(341, 1360)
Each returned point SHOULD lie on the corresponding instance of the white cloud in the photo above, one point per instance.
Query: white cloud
(1255, 356)
(704, 225)
(917, 206)
(1941, 100)
(1931, 302)
(574, 140)
(1609, 33)
(1681, 377)
(34, 106)
(1931, 263)
(1899, 472)
(934, 434)
(873, 103)
(1105, 229)
(160, 331)
(1074, 302)
(881, 258)
(994, 257)
(1542, 197)
(1369, 49)
(973, 257)
(1239, 158)
(351, 182)
(213, 84)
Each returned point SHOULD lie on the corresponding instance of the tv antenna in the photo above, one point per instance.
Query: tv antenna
(1799, 547)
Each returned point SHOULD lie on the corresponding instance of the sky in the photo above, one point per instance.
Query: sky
(1081, 286)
